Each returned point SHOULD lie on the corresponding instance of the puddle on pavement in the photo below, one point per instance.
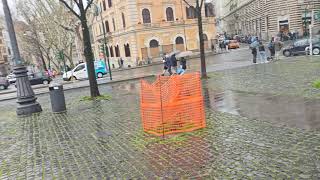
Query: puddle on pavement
(296, 112)
(290, 111)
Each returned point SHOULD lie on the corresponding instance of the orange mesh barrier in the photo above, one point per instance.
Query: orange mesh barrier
(172, 104)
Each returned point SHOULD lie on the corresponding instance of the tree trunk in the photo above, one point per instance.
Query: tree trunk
(202, 55)
(89, 58)
(44, 65)
(70, 57)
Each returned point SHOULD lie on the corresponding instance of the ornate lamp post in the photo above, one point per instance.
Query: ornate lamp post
(27, 102)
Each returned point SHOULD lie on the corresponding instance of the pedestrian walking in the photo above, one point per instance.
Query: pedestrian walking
(212, 47)
(183, 65)
(278, 46)
(253, 46)
(272, 49)
(121, 62)
(262, 53)
(174, 64)
(226, 45)
(254, 53)
(166, 65)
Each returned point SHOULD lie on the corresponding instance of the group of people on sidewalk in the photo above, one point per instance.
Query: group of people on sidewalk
(274, 47)
(170, 65)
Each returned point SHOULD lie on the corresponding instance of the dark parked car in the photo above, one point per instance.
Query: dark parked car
(4, 83)
(39, 78)
(301, 47)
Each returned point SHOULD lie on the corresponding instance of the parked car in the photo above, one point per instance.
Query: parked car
(39, 78)
(11, 78)
(4, 83)
(233, 44)
(301, 47)
(80, 71)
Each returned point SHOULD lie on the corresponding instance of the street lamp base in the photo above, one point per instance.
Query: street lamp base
(28, 109)
(27, 102)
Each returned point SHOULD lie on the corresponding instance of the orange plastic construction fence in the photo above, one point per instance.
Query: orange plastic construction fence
(172, 104)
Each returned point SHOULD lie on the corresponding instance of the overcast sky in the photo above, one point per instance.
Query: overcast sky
(12, 4)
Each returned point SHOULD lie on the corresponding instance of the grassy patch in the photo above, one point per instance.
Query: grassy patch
(99, 98)
(316, 84)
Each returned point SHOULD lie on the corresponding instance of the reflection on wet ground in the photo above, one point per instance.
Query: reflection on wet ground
(291, 111)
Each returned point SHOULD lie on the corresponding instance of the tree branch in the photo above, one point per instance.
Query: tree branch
(88, 6)
(67, 6)
(187, 3)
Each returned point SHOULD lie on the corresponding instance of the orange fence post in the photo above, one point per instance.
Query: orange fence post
(172, 104)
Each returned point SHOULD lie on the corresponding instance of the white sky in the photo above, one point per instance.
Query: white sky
(12, 5)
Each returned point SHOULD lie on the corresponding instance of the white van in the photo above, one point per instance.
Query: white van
(80, 71)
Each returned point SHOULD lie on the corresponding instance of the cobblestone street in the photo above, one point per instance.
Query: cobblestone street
(245, 137)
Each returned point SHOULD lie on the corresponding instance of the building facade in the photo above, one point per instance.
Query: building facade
(266, 18)
(141, 29)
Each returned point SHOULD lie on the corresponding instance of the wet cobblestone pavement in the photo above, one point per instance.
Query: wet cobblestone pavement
(104, 139)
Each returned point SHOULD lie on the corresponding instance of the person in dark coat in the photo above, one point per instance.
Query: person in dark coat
(166, 65)
(254, 53)
(174, 64)
(271, 47)
(183, 63)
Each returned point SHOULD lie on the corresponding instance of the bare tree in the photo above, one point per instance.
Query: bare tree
(46, 20)
(82, 8)
(198, 8)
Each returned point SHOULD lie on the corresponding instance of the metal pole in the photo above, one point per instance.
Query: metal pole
(310, 32)
(27, 102)
(64, 61)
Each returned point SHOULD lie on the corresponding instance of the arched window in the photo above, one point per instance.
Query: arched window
(107, 26)
(111, 51)
(191, 12)
(114, 24)
(127, 50)
(110, 3)
(169, 13)
(205, 37)
(154, 43)
(179, 40)
(117, 51)
(146, 16)
(123, 21)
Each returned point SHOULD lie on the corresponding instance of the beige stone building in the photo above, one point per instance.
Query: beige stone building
(141, 29)
(266, 18)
